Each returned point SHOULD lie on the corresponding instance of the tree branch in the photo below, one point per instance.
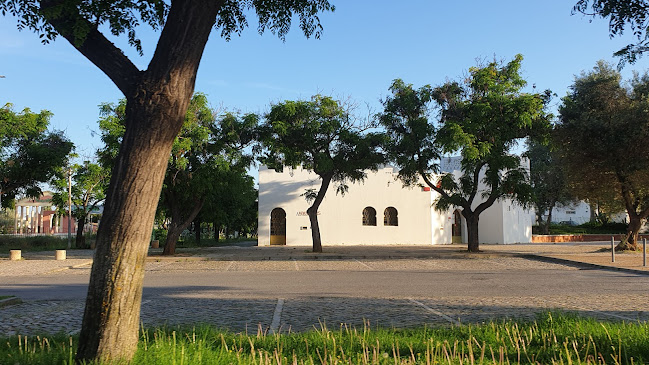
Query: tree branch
(94, 46)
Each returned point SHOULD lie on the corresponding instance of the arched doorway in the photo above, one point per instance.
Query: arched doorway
(278, 227)
(456, 228)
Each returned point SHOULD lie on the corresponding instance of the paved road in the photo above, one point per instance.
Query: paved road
(243, 292)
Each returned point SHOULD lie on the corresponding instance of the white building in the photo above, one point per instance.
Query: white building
(378, 211)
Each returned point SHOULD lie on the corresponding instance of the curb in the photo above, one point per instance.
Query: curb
(70, 267)
(10, 301)
(582, 264)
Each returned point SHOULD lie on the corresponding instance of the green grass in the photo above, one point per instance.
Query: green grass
(5, 296)
(555, 338)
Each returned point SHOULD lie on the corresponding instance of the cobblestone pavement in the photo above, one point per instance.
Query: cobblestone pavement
(299, 313)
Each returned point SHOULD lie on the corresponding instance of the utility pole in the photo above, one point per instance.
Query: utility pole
(69, 208)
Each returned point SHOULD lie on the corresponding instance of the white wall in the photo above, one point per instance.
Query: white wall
(340, 217)
(577, 212)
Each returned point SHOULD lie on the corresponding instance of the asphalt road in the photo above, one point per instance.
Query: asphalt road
(513, 277)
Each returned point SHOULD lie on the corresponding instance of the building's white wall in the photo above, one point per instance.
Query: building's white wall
(490, 226)
(578, 212)
(340, 217)
(517, 223)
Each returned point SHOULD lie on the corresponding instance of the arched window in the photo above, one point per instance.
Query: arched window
(369, 216)
(390, 217)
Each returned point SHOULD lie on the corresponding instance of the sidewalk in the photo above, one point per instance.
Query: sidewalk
(589, 254)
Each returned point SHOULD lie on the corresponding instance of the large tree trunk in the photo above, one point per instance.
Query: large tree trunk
(630, 241)
(173, 234)
(548, 222)
(472, 231)
(157, 101)
(112, 314)
(178, 225)
(312, 212)
(197, 229)
(80, 239)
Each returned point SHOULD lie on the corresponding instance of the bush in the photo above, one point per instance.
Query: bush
(32, 243)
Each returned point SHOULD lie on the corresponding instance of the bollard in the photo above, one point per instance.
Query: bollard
(644, 252)
(60, 255)
(612, 249)
(15, 255)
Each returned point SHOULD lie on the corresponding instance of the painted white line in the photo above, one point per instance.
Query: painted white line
(277, 316)
(436, 312)
(364, 264)
(592, 310)
(297, 268)
(227, 268)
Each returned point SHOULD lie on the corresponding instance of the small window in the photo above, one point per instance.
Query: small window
(369, 216)
(390, 217)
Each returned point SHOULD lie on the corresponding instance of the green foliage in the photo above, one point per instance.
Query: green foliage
(124, 17)
(207, 165)
(89, 185)
(624, 15)
(29, 154)
(482, 118)
(319, 135)
(322, 136)
(32, 244)
(554, 338)
(603, 133)
(548, 178)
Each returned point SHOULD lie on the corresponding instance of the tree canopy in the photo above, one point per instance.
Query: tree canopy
(29, 153)
(482, 118)
(549, 181)
(603, 132)
(322, 136)
(622, 15)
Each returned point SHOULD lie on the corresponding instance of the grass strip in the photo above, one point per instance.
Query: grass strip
(554, 338)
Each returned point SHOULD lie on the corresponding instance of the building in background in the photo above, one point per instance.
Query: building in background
(377, 211)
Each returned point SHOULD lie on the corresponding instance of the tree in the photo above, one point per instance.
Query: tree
(232, 203)
(621, 14)
(549, 181)
(156, 103)
(482, 118)
(603, 132)
(321, 136)
(29, 154)
(89, 182)
(203, 154)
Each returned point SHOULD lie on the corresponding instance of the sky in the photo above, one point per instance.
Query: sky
(365, 45)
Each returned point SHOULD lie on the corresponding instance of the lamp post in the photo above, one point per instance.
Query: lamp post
(69, 208)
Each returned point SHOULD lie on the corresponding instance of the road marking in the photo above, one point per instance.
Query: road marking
(277, 316)
(297, 268)
(436, 312)
(592, 310)
(364, 264)
(229, 266)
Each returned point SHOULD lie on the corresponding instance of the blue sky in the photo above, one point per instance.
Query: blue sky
(365, 45)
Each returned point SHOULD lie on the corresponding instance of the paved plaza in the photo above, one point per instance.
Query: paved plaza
(290, 289)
